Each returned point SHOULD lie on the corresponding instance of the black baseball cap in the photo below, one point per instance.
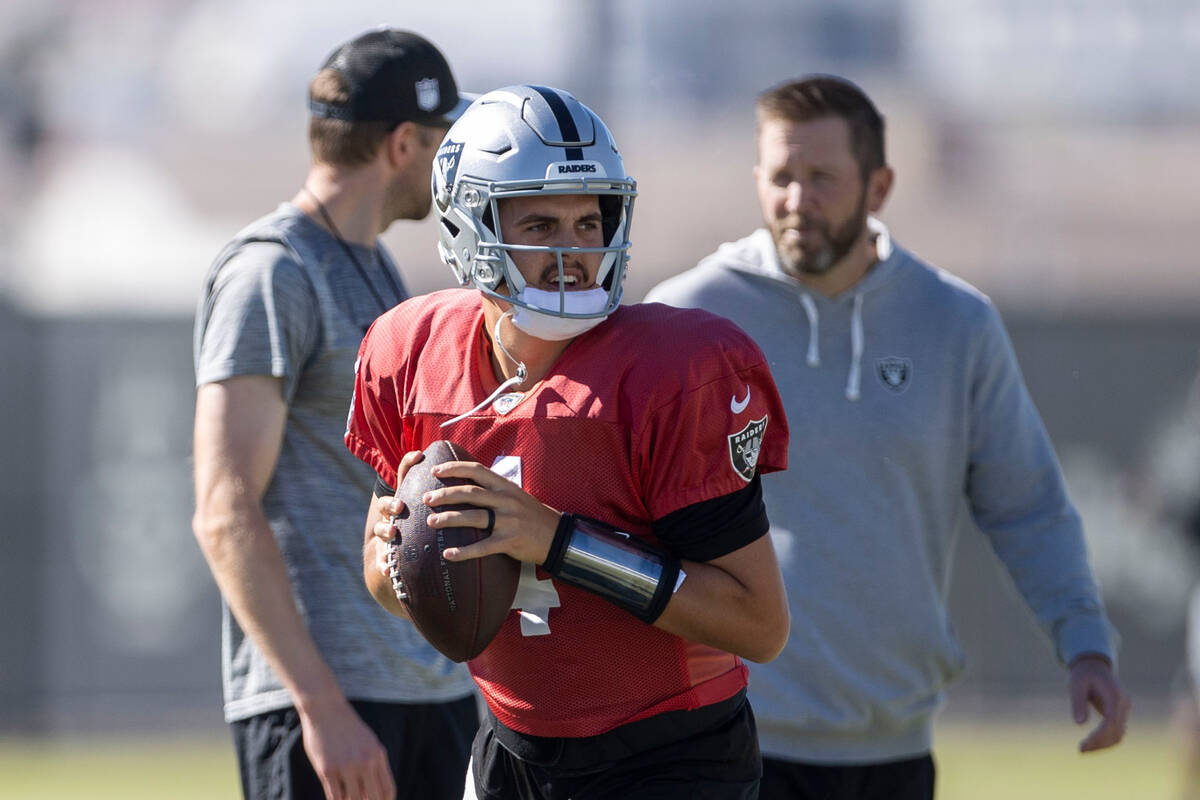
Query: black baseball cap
(393, 76)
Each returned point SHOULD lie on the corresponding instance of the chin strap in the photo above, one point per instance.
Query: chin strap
(513, 381)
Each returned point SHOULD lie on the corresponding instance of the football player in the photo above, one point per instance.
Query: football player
(621, 449)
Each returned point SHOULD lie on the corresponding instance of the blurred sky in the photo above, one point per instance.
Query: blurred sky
(1046, 150)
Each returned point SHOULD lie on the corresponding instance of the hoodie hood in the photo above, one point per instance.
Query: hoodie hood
(756, 255)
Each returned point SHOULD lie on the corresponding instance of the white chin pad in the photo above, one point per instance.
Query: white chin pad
(546, 322)
(584, 301)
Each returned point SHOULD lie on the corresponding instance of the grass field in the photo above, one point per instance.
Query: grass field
(977, 760)
(126, 768)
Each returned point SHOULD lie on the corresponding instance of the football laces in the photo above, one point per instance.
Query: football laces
(393, 564)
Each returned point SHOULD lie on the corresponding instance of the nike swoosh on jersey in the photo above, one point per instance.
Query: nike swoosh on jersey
(738, 406)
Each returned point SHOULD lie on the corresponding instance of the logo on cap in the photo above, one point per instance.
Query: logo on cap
(428, 94)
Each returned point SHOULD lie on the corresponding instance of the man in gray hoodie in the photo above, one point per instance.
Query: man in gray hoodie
(909, 419)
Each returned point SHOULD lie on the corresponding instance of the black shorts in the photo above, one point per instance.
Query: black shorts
(707, 754)
(428, 747)
(910, 779)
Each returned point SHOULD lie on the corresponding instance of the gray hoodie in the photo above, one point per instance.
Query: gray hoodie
(909, 419)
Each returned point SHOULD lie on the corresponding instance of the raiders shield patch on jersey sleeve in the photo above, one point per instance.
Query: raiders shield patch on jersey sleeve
(744, 446)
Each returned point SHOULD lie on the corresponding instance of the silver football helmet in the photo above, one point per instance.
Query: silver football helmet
(520, 141)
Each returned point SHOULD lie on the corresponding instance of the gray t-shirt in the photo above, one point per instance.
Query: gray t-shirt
(284, 299)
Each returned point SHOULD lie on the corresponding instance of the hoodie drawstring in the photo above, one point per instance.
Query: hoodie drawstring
(854, 379)
(810, 310)
(856, 350)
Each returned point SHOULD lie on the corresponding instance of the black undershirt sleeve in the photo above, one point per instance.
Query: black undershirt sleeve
(714, 528)
(382, 489)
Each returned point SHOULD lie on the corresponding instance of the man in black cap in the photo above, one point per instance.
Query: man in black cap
(327, 694)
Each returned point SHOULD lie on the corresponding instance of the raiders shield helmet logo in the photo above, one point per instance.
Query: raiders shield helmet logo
(894, 373)
(445, 170)
(744, 446)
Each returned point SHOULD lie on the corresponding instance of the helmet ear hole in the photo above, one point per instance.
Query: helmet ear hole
(610, 216)
(489, 222)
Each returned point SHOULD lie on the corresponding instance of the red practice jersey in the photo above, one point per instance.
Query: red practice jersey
(655, 409)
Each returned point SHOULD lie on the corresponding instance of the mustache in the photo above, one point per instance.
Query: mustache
(569, 266)
(804, 223)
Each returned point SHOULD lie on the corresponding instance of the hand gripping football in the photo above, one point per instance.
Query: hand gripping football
(457, 606)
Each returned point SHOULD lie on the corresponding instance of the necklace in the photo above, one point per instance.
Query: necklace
(358, 267)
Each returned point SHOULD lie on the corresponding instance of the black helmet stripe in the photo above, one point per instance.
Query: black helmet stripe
(566, 123)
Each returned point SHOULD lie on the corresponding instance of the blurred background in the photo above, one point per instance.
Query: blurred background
(1048, 151)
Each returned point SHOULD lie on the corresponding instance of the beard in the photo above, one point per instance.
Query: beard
(832, 246)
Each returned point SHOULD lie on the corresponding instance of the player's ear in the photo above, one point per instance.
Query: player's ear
(400, 144)
(879, 184)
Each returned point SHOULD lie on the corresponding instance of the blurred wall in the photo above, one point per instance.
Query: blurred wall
(1106, 387)
(23, 532)
(117, 622)
(130, 604)
(111, 618)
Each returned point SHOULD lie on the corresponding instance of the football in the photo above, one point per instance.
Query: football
(457, 606)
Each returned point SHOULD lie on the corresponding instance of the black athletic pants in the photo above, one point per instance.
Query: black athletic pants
(911, 779)
(428, 747)
(710, 753)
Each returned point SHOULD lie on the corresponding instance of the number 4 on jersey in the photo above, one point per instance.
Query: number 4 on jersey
(534, 597)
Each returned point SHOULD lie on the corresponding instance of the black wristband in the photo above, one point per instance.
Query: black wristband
(626, 571)
(562, 534)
